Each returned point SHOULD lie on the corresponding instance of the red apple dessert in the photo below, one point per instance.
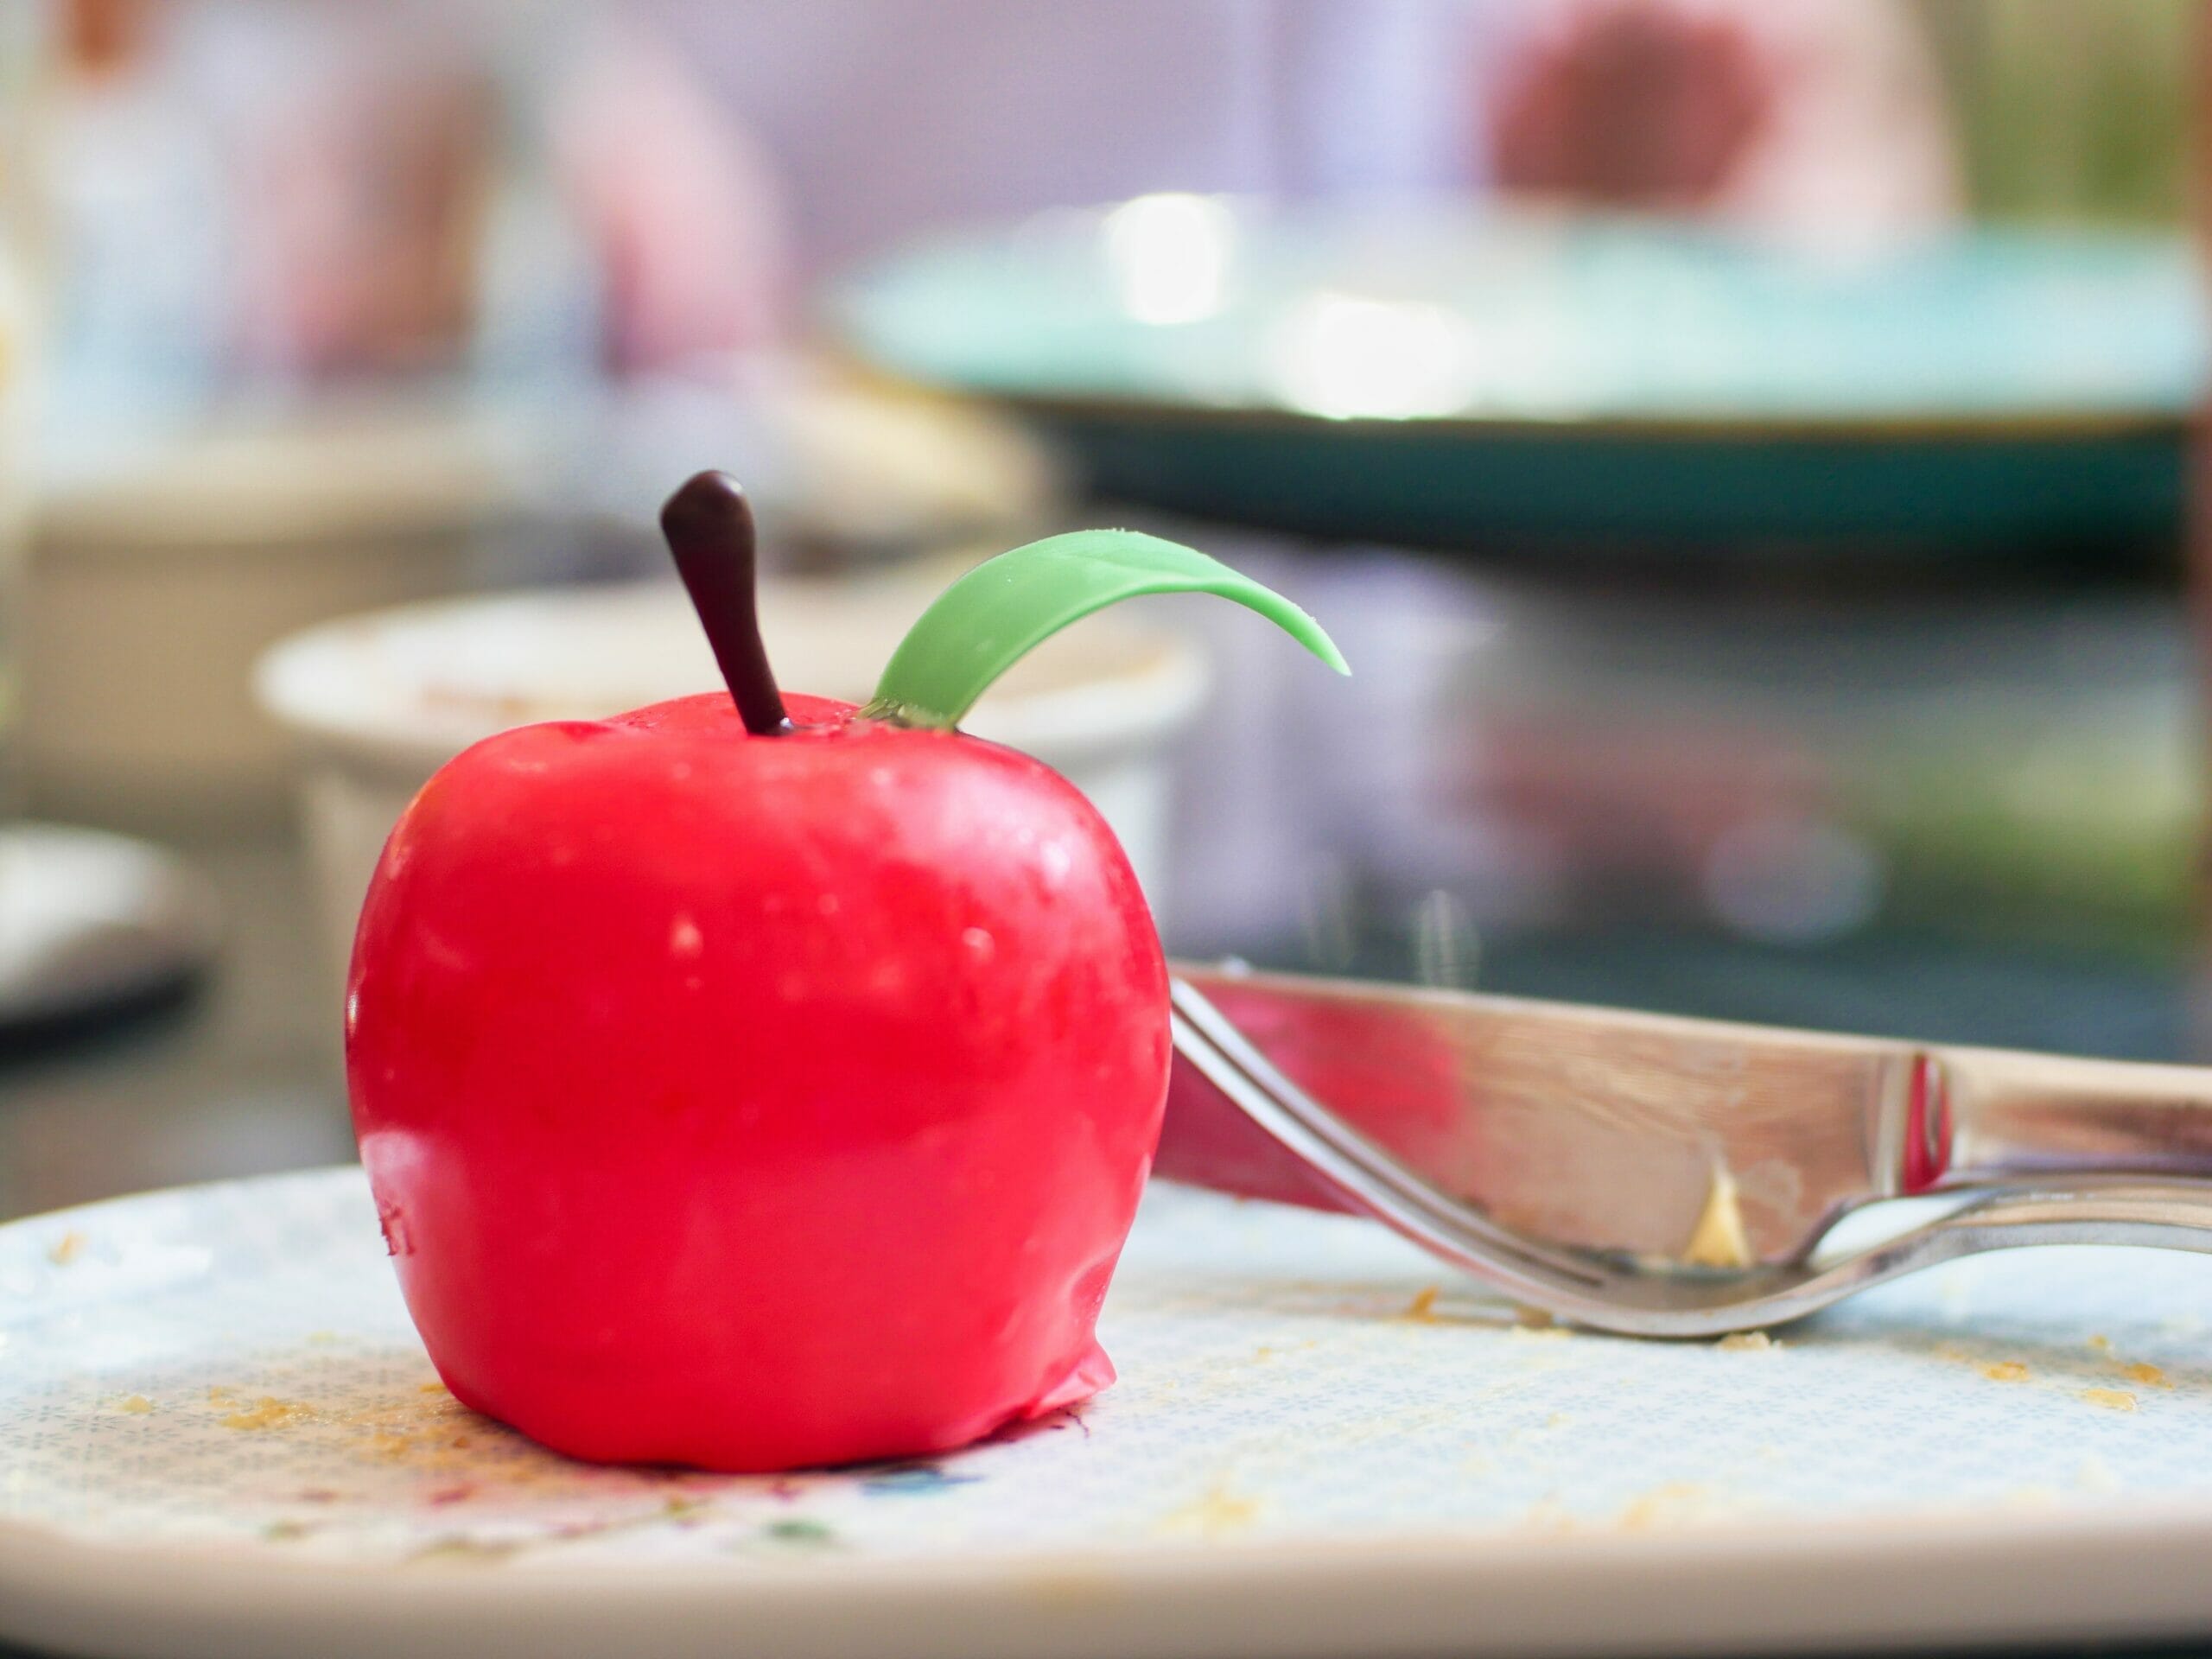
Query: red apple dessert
(751, 1083)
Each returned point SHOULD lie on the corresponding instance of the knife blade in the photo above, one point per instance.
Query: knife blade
(1655, 1135)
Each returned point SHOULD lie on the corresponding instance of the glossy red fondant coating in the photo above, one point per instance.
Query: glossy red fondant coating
(756, 1102)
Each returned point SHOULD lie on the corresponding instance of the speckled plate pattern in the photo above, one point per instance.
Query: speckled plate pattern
(218, 1433)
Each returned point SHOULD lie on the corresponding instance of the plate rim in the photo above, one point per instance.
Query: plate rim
(1726, 1586)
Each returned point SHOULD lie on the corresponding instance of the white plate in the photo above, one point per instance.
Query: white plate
(219, 1435)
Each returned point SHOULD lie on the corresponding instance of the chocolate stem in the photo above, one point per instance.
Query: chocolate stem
(709, 529)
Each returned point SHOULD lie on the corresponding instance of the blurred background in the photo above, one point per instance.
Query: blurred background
(1743, 447)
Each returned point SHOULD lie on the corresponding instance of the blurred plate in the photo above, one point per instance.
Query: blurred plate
(220, 1435)
(93, 926)
(1445, 374)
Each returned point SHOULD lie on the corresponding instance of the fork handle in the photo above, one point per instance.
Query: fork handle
(1990, 1117)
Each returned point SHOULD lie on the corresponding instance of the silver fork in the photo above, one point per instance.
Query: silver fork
(2103, 1178)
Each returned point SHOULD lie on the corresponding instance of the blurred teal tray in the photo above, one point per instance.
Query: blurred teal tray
(1447, 375)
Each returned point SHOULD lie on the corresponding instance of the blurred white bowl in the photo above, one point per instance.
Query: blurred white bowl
(158, 577)
(160, 572)
(376, 704)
